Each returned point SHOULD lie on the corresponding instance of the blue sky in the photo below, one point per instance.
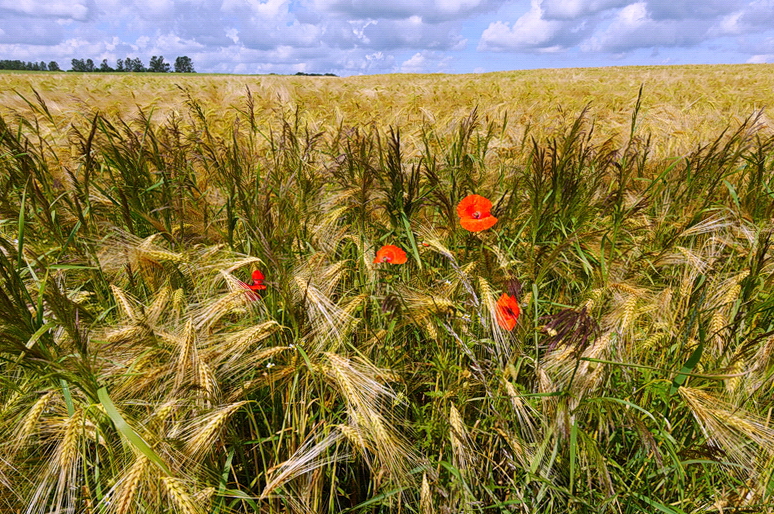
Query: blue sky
(350, 37)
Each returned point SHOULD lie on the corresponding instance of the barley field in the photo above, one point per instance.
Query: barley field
(539, 291)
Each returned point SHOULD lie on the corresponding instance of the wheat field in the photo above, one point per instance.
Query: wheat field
(535, 291)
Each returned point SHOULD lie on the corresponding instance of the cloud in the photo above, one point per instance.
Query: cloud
(257, 35)
(433, 11)
(633, 28)
(761, 59)
(411, 33)
(532, 31)
(154, 9)
(424, 62)
(755, 17)
(365, 36)
(271, 9)
(36, 32)
(416, 64)
(73, 9)
(573, 9)
(616, 27)
(692, 9)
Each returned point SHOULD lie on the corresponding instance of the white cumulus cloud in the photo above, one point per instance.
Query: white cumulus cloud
(633, 28)
(77, 10)
(572, 9)
(531, 30)
(365, 36)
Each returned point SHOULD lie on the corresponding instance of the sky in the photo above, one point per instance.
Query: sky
(356, 37)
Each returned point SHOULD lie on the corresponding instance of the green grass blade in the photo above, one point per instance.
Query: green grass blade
(410, 235)
(658, 506)
(20, 233)
(128, 432)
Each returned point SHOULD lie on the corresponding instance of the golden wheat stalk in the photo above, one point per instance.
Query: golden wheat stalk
(122, 499)
(461, 443)
(525, 414)
(204, 432)
(127, 305)
(177, 492)
(229, 350)
(61, 471)
(29, 423)
(731, 428)
(187, 365)
(305, 459)
(366, 399)
(213, 311)
(425, 497)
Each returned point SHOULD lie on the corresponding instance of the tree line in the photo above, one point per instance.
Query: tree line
(8, 64)
(157, 64)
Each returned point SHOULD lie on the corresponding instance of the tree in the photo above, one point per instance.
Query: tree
(105, 66)
(157, 65)
(54, 66)
(135, 65)
(184, 64)
(120, 65)
(12, 65)
(89, 65)
(42, 66)
(77, 65)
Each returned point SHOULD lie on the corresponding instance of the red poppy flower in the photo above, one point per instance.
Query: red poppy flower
(258, 279)
(474, 213)
(508, 311)
(257, 285)
(391, 254)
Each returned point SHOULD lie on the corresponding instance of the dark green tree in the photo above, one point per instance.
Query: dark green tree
(120, 65)
(184, 64)
(105, 66)
(77, 65)
(134, 65)
(54, 66)
(157, 65)
(8, 64)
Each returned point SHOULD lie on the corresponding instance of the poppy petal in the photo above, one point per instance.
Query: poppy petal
(250, 292)
(508, 312)
(258, 278)
(473, 203)
(390, 254)
(474, 213)
(477, 225)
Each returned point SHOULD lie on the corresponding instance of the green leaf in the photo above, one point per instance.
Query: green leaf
(128, 432)
(374, 500)
(20, 235)
(732, 193)
(223, 481)
(240, 495)
(658, 506)
(68, 397)
(686, 370)
(39, 333)
(573, 453)
(71, 266)
(410, 234)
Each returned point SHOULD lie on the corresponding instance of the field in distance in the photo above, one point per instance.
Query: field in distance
(684, 105)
